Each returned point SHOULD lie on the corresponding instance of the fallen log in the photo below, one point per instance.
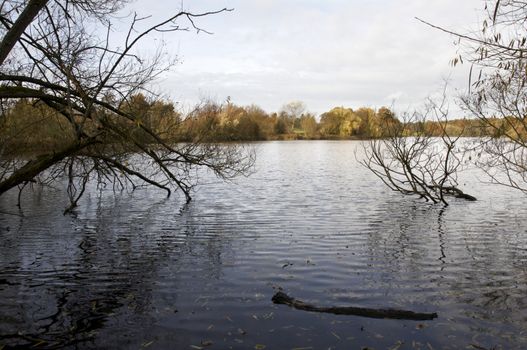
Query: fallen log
(282, 298)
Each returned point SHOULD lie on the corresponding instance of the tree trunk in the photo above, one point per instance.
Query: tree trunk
(34, 167)
(24, 19)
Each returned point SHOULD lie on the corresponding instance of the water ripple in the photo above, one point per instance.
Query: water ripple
(138, 270)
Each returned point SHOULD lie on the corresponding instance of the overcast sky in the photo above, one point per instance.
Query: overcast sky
(348, 53)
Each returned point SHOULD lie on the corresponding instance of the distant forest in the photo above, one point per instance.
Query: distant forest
(44, 129)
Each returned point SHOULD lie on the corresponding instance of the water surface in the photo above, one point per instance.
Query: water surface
(138, 270)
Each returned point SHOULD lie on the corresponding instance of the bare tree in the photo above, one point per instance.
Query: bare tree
(497, 96)
(52, 58)
(498, 89)
(410, 160)
(292, 112)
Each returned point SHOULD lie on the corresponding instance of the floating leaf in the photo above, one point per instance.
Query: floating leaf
(147, 344)
(40, 342)
(397, 345)
(268, 316)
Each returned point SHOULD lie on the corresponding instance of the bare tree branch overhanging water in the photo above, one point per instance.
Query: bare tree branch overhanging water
(411, 159)
(497, 93)
(86, 85)
(497, 97)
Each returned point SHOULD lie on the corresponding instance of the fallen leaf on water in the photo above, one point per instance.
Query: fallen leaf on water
(259, 346)
(210, 327)
(40, 342)
(196, 347)
(420, 326)
(397, 345)
(147, 344)
(206, 342)
(255, 317)
(268, 316)
(416, 344)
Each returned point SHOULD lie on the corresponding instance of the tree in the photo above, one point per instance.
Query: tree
(265, 123)
(340, 121)
(291, 112)
(281, 125)
(369, 127)
(498, 89)
(497, 96)
(409, 159)
(51, 58)
(308, 123)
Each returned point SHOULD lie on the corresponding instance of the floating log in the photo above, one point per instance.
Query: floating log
(282, 298)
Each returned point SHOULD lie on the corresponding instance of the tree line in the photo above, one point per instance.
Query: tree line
(28, 126)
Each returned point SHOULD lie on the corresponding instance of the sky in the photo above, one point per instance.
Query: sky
(349, 53)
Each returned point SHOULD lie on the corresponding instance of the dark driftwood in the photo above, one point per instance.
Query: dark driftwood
(282, 298)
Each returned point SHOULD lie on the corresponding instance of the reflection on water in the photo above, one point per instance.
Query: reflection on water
(141, 271)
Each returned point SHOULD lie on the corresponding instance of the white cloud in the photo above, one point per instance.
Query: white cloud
(325, 53)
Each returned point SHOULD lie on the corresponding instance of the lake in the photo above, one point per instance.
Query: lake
(140, 271)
